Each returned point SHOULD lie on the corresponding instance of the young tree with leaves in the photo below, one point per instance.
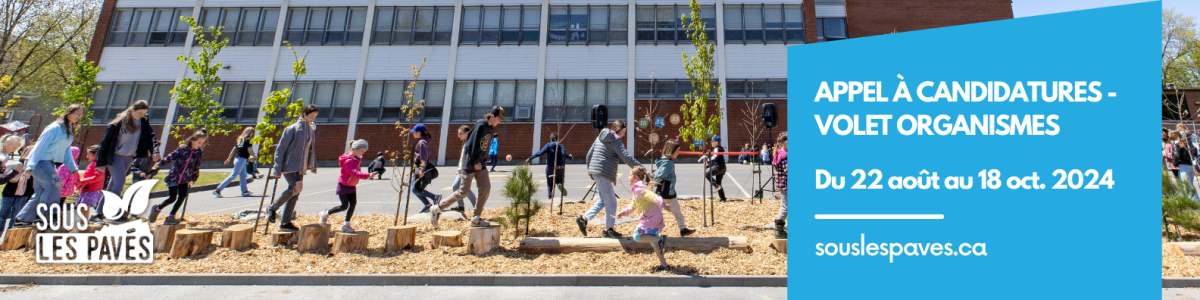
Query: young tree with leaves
(412, 109)
(197, 95)
(698, 122)
(267, 129)
(79, 90)
(40, 43)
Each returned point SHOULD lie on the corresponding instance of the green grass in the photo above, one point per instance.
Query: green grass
(205, 179)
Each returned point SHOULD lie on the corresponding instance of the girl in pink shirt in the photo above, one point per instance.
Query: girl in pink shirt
(650, 206)
(347, 191)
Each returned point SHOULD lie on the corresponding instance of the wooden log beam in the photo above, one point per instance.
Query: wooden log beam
(538, 245)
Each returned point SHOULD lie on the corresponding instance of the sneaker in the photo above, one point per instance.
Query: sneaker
(477, 222)
(217, 193)
(437, 199)
(662, 268)
(170, 220)
(271, 214)
(426, 209)
(582, 225)
(562, 189)
(248, 194)
(288, 227)
(324, 215)
(459, 208)
(780, 229)
(434, 214)
(346, 227)
(686, 231)
(154, 210)
(611, 234)
(21, 224)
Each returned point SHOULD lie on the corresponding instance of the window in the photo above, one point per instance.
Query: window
(473, 99)
(381, 101)
(113, 98)
(413, 25)
(241, 101)
(572, 100)
(326, 26)
(243, 26)
(831, 29)
(662, 24)
(510, 25)
(764, 24)
(332, 98)
(668, 89)
(148, 27)
(756, 88)
(588, 24)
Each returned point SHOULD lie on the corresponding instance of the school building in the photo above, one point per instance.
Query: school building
(547, 62)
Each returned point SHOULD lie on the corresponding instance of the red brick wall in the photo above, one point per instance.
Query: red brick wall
(739, 135)
(515, 139)
(385, 137)
(576, 138)
(102, 24)
(875, 17)
(734, 114)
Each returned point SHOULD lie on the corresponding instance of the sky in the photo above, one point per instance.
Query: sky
(1025, 8)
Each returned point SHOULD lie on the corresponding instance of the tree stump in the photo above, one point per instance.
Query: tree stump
(349, 241)
(283, 238)
(164, 236)
(400, 237)
(779, 245)
(237, 237)
(190, 242)
(481, 240)
(15, 238)
(312, 237)
(447, 238)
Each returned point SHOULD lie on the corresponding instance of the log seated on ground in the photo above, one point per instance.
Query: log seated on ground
(481, 240)
(283, 238)
(15, 238)
(349, 241)
(779, 245)
(538, 245)
(164, 236)
(190, 242)
(312, 237)
(1184, 248)
(237, 237)
(400, 237)
(447, 239)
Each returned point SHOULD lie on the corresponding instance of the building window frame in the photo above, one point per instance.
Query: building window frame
(174, 34)
(381, 113)
(350, 34)
(476, 110)
(655, 35)
(822, 26)
(740, 34)
(588, 35)
(333, 110)
(555, 102)
(158, 95)
(262, 33)
(440, 29)
(525, 33)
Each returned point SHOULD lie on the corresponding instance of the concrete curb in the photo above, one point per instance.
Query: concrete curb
(1180, 282)
(399, 279)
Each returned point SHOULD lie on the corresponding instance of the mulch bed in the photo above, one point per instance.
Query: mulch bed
(734, 218)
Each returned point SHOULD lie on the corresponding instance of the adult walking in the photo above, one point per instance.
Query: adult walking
(294, 157)
(239, 155)
(602, 160)
(477, 141)
(127, 137)
(52, 146)
(556, 161)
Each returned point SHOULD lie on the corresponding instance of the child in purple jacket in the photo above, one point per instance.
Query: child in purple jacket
(185, 169)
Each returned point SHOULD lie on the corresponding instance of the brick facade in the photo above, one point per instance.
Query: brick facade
(875, 17)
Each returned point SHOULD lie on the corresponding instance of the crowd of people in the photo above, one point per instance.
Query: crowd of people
(46, 172)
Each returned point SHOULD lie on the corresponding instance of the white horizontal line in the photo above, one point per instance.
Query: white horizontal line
(878, 217)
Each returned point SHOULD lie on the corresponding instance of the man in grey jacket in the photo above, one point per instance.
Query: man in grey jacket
(606, 152)
(294, 157)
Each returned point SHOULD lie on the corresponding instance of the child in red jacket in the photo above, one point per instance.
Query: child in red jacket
(351, 164)
(91, 183)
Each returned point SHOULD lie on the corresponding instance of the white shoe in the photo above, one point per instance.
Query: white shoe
(346, 227)
(435, 213)
(324, 218)
(477, 222)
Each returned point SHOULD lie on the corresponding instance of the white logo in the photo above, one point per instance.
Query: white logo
(130, 242)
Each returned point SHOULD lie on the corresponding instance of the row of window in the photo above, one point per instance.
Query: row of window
(565, 100)
(480, 25)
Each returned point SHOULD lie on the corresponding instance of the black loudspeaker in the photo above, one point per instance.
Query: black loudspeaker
(770, 115)
(599, 116)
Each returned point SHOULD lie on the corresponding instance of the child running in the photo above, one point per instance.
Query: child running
(92, 183)
(664, 178)
(69, 179)
(185, 169)
(650, 207)
(780, 166)
(351, 163)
